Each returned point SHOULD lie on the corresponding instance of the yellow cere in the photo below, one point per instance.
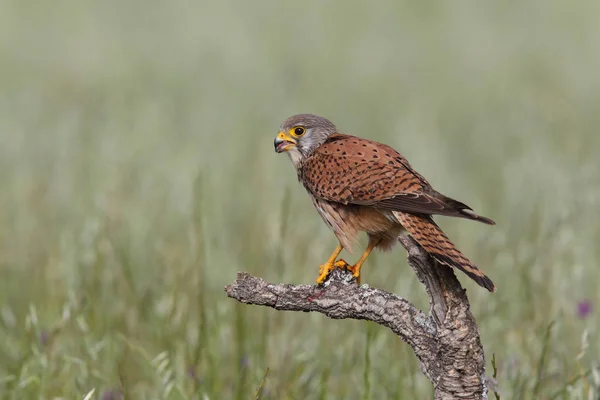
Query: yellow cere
(287, 137)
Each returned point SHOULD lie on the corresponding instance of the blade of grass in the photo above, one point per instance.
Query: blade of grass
(324, 379)
(262, 383)
(542, 361)
(563, 390)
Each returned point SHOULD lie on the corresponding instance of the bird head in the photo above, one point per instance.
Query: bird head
(301, 134)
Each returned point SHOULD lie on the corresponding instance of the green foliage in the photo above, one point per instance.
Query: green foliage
(138, 175)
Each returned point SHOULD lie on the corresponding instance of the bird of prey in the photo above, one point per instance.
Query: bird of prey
(358, 185)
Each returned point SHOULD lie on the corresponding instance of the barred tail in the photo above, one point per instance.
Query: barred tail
(436, 243)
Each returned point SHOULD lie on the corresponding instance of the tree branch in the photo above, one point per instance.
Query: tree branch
(446, 342)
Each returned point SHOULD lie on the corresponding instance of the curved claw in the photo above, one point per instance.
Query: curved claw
(342, 264)
(326, 268)
(355, 269)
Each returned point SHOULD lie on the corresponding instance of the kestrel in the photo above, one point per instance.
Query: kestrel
(358, 185)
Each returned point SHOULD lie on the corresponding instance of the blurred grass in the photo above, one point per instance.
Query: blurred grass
(137, 176)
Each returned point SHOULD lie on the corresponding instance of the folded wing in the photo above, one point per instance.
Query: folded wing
(351, 170)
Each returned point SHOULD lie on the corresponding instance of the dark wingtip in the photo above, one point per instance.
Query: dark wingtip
(465, 210)
(486, 220)
(476, 217)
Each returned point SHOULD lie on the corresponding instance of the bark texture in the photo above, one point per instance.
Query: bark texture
(445, 340)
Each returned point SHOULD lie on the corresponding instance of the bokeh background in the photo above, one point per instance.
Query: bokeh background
(137, 176)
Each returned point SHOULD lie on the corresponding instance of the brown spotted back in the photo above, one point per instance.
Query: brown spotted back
(348, 169)
(351, 170)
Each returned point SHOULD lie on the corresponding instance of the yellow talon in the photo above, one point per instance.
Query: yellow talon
(331, 264)
(355, 269)
(324, 271)
(326, 268)
(342, 264)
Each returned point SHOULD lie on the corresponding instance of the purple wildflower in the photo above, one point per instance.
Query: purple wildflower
(584, 309)
(191, 372)
(44, 338)
(114, 394)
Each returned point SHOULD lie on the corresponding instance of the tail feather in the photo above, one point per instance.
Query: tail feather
(429, 235)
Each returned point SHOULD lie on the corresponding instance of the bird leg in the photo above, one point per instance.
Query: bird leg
(355, 269)
(326, 268)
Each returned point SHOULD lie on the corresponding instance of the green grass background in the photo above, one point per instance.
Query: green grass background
(137, 176)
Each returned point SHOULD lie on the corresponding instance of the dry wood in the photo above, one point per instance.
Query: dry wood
(445, 340)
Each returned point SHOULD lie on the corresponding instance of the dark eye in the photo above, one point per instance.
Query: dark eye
(299, 131)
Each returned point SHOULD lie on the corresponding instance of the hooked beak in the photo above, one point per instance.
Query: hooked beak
(283, 142)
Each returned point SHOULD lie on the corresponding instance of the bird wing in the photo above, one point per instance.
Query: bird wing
(351, 170)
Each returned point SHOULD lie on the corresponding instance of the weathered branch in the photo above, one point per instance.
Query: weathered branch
(446, 341)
